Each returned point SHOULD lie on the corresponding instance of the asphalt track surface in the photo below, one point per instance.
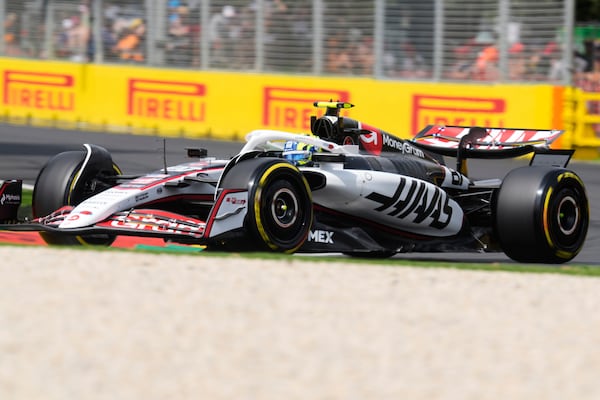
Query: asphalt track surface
(24, 150)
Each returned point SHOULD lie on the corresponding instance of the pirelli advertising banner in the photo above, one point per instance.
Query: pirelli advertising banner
(39, 90)
(228, 105)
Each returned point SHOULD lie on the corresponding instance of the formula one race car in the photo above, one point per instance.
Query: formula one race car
(346, 188)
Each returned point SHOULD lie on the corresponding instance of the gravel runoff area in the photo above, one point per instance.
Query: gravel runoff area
(123, 325)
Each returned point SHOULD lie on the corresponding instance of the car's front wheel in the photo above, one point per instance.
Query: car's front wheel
(65, 180)
(280, 213)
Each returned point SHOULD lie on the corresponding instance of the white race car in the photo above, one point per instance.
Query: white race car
(346, 188)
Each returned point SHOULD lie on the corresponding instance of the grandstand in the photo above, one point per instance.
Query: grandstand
(431, 40)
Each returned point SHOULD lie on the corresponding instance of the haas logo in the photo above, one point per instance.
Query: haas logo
(422, 203)
(371, 141)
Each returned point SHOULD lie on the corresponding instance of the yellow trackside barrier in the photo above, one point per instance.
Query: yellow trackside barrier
(227, 105)
(580, 121)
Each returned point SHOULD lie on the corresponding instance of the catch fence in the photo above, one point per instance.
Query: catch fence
(431, 40)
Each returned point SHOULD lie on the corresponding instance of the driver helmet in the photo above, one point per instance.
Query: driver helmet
(298, 153)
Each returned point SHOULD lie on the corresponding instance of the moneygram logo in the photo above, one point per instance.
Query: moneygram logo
(291, 108)
(180, 101)
(451, 110)
(42, 91)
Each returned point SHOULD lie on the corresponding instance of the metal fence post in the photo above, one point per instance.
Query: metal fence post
(97, 28)
(2, 30)
(259, 44)
(438, 40)
(378, 35)
(317, 40)
(567, 55)
(156, 32)
(503, 18)
(48, 31)
(204, 38)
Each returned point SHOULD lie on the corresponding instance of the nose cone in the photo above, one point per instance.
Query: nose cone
(77, 219)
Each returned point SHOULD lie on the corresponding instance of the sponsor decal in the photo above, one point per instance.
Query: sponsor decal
(8, 199)
(235, 200)
(141, 196)
(457, 110)
(421, 200)
(454, 179)
(95, 203)
(377, 141)
(150, 223)
(111, 194)
(291, 108)
(320, 236)
(144, 181)
(166, 100)
(401, 146)
(371, 142)
(42, 91)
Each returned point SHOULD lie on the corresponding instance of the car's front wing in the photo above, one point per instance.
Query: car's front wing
(143, 223)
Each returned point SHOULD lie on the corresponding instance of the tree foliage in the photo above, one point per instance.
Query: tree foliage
(587, 11)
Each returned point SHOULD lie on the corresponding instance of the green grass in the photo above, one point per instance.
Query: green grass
(25, 209)
(565, 269)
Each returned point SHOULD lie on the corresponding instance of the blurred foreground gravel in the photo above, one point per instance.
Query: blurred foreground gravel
(121, 325)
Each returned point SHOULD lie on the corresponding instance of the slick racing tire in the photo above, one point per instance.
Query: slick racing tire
(60, 183)
(280, 210)
(541, 215)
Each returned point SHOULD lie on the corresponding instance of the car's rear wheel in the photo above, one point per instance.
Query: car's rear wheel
(62, 182)
(541, 215)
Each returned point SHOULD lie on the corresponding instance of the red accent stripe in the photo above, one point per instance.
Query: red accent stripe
(213, 212)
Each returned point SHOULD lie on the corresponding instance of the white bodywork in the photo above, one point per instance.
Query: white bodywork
(414, 205)
(426, 210)
(400, 202)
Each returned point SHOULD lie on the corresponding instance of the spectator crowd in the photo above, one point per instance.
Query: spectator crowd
(287, 39)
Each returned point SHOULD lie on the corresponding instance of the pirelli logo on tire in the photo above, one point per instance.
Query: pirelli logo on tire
(457, 110)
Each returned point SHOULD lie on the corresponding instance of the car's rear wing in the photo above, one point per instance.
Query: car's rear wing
(465, 142)
(447, 139)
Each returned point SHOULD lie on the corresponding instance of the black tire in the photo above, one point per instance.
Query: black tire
(280, 209)
(55, 187)
(541, 215)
